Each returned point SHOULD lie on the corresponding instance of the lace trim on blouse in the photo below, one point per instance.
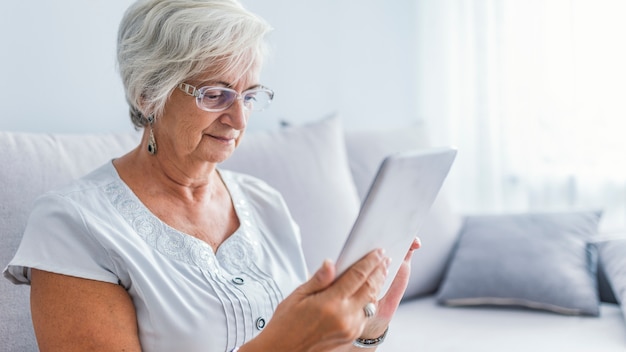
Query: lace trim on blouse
(234, 254)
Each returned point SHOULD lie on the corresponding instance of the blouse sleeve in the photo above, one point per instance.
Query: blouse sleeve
(58, 240)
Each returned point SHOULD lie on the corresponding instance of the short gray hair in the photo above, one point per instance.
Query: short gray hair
(162, 43)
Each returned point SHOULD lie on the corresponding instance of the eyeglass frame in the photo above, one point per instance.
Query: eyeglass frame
(195, 92)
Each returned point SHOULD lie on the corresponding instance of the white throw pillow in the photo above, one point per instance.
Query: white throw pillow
(307, 164)
(366, 150)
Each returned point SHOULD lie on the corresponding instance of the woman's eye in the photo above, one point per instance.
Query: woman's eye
(250, 97)
(212, 95)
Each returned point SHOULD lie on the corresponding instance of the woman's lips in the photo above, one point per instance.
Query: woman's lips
(223, 139)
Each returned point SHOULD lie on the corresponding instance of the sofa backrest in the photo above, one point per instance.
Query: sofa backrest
(320, 179)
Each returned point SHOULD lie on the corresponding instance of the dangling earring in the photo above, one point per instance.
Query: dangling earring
(152, 147)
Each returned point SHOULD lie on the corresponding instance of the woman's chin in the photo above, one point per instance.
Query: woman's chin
(218, 156)
(217, 150)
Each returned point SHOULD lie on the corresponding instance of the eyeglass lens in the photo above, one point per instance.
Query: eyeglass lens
(215, 98)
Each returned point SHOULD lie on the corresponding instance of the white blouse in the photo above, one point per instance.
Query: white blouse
(187, 297)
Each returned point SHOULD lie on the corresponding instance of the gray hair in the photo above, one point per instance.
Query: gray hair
(162, 43)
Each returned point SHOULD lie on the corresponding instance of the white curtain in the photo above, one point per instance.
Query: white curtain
(533, 94)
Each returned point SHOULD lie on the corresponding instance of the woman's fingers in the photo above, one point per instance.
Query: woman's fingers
(391, 300)
(323, 277)
(359, 274)
(417, 243)
(369, 291)
(400, 281)
(389, 303)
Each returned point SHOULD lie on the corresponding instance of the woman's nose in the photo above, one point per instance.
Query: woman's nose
(236, 115)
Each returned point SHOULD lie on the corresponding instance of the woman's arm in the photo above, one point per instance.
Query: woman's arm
(74, 314)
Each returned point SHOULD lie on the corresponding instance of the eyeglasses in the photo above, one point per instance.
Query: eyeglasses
(215, 99)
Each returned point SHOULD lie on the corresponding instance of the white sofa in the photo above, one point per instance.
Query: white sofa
(323, 171)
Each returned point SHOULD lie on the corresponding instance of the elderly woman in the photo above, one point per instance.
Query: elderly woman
(159, 250)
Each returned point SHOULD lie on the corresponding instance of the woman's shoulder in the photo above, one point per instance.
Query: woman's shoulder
(85, 185)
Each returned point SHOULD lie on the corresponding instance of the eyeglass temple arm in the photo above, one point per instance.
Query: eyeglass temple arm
(189, 89)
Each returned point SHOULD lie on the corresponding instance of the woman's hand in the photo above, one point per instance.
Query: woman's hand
(324, 314)
(388, 305)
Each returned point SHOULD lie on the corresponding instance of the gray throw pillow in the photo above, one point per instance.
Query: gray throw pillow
(612, 254)
(533, 260)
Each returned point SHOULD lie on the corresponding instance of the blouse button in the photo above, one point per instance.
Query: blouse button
(260, 323)
(237, 280)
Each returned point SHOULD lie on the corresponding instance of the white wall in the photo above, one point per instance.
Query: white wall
(57, 63)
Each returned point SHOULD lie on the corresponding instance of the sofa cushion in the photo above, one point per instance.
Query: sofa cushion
(308, 165)
(423, 325)
(31, 165)
(541, 261)
(612, 255)
(366, 150)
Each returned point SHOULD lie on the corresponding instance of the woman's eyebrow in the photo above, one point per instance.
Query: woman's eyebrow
(210, 83)
(255, 86)
(228, 85)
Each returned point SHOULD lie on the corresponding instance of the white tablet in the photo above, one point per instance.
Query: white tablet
(395, 207)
